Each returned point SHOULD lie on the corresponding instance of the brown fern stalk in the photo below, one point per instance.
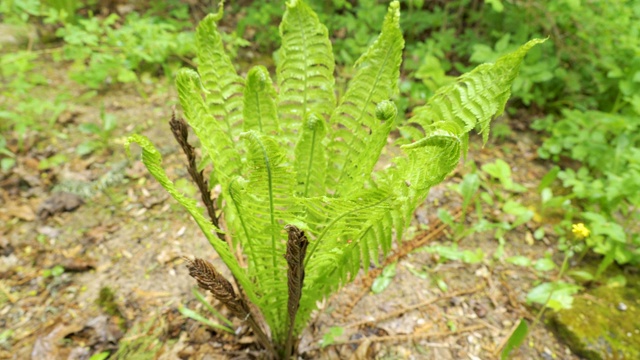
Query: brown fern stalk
(296, 251)
(210, 279)
(180, 131)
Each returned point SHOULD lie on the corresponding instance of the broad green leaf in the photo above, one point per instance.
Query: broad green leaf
(549, 178)
(472, 257)
(468, 187)
(522, 213)
(100, 356)
(519, 260)
(582, 275)
(380, 283)
(499, 170)
(544, 264)
(555, 295)
(515, 339)
(88, 147)
(329, 337)
(445, 216)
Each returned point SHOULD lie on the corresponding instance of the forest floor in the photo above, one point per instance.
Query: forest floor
(120, 245)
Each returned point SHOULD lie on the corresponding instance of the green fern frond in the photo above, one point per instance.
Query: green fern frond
(305, 69)
(239, 222)
(219, 77)
(260, 111)
(325, 185)
(432, 158)
(476, 97)
(375, 81)
(214, 139)
(447, 118)
(153, 161)
(311, 159)
(340, 230)
(359, 167)
(268, 204)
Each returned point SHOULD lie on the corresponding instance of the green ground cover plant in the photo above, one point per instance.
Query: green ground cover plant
(591, 98)
(100, 50)
(296, 166)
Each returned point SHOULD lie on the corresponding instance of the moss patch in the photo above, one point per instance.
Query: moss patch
(107, 302)
(603, 323)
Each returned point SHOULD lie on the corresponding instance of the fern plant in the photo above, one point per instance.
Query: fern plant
(300, 196)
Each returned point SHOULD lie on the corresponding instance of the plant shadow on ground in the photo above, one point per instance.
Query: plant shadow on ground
(129, 238)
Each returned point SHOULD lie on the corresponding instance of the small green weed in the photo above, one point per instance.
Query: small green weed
(385, 278)
(55, 271)
(104, 133)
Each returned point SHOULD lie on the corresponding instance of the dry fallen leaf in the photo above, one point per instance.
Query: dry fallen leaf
(46, 347)
(22, 212)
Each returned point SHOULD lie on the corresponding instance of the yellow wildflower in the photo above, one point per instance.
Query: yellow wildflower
(580, 231)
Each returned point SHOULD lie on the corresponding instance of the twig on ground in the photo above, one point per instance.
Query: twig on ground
(494, 302)
(416, 306)
(512, 301)
(398, 338)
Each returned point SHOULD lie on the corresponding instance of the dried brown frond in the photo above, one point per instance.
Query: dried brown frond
(210, 279)
(180, 131)
(296, 251)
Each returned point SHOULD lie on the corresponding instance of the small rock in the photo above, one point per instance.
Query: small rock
(167, 256)
(59, 202)
(200, 335)
(483, 272)
(68, 117)
(78, 264)
(187, 352)
(480, 310)
(181, 231)
(49, 231)
(6, 248)
(79, 353)
(622, 306)
(547, 356)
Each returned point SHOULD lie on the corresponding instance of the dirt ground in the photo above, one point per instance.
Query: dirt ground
(120, 245)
